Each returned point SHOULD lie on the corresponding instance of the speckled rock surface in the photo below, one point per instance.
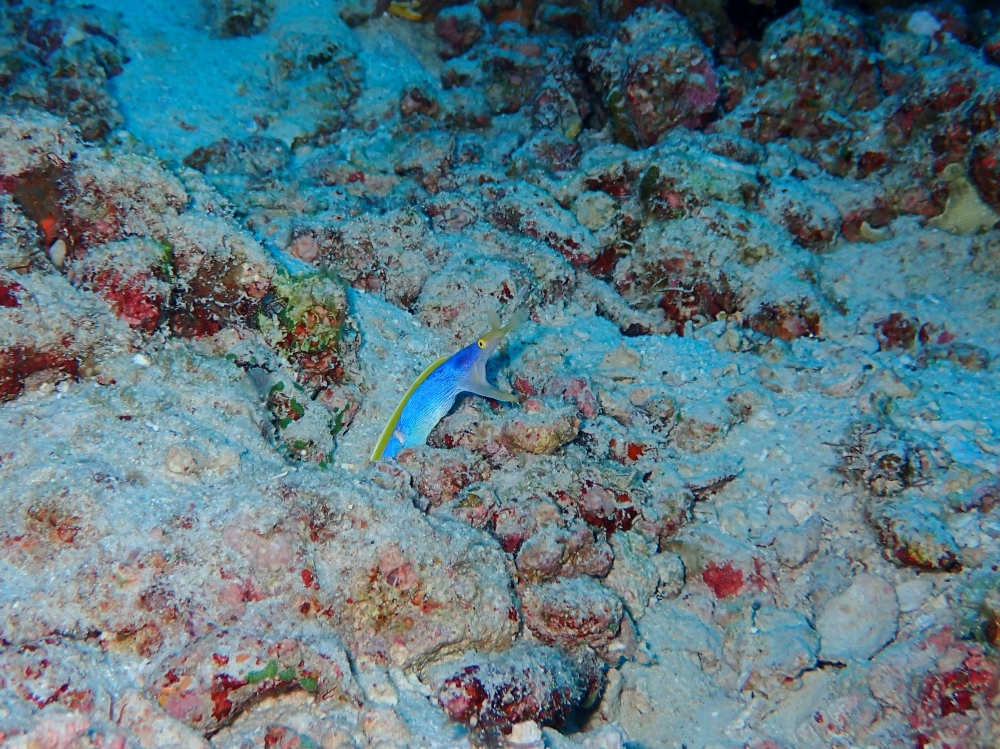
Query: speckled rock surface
(846, 634)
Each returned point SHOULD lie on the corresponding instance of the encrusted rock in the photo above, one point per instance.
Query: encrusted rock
(652, 75)
(524, 209)
(698, 431)
(859, 622)
(635, 574)
(570, 552)
(815, 68)
(966, 355)
(984, 168)
(408, 604)
(392, 254)
(775, 646)
(539, 430)
(210, 682)
(795, 545)
(458, 28)
(527, 683)
(670, 570)
(572, 612)
(539, 427)
(469, 288)
(441, 475)
(51, 332)
(913, 537)
(61, 59)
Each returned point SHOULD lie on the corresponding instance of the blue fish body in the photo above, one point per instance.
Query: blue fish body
(430, 403)
(433, 393)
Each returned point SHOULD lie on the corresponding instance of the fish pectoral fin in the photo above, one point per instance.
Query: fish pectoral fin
(488, 391)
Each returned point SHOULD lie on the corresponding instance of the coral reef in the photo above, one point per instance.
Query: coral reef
(747, 492)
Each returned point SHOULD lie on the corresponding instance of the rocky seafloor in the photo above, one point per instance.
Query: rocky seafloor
(750, 493)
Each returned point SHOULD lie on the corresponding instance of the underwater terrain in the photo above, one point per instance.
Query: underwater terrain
(746, 494)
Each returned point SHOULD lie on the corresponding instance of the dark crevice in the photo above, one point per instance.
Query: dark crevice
(751, 18)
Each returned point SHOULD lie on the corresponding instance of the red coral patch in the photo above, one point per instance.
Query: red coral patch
(7, 298)
(725, 580)
(19, 363)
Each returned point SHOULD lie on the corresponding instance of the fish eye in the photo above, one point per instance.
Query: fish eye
(482, 343)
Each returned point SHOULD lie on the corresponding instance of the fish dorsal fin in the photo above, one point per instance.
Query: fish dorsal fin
(390, 426)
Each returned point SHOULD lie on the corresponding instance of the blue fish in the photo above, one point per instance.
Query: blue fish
(433, 393)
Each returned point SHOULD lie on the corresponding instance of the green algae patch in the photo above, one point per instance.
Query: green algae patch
(268, 672)
(284, 407)
(309, 315)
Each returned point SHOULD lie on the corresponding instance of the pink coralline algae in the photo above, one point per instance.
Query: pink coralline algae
(8, 294)
(724, 579)
(130, 278)
(728, 569)
(950, 700)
